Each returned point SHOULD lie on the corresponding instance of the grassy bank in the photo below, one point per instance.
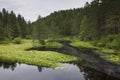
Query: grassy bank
(17, 53)
(113, 55)
(48, 44)
(82, 44)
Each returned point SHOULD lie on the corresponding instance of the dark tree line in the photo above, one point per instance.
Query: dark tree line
(61, 23)
(102, 18)
(96, 20)
(93, 22)
(8, 65)
(12, 26)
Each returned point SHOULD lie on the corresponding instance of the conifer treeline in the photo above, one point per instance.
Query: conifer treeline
(12, 26)
(95, 20)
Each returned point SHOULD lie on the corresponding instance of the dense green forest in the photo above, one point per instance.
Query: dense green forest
(12, 26)
(97, 22)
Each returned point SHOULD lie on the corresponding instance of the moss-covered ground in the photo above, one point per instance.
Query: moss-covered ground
(16, 53)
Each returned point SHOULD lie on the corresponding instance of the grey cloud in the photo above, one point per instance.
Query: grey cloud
(30, 9)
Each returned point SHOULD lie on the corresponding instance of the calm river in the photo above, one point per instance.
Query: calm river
(16, 71)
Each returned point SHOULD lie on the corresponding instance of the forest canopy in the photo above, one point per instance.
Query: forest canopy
(98, 21)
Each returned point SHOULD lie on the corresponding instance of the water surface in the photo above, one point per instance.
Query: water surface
(16, 71)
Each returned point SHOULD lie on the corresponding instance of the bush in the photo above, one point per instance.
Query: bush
(17, 40)
(106, 41)
(5, 41)
(53, 45)
(115, 44)
(28, 37)
(36, 43)
(100, 44)
(110, 38)
(111, 41)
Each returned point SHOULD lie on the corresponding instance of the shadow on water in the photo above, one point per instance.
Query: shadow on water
(93, 74)
(66, 71)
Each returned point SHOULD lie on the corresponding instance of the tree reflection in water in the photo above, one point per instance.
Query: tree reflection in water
(39, 69)
(8, 65)
(88, 73)
(13, 65)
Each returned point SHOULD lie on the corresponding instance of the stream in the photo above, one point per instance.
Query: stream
(90, 67)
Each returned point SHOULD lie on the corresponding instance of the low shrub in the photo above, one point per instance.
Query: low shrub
(28, 37)
(111, 42)
(53, 45)
(115, 44)
(100, 44)
(17, 40)
(6, 41)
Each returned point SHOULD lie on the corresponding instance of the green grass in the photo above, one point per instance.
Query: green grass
(112, 56)
(17, 53)
(53, 45)
(106, 50)
(48, 44)
(82, 44)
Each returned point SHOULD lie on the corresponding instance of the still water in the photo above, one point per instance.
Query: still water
(16, 71)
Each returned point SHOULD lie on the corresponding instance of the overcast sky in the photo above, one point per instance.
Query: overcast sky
(30, 9)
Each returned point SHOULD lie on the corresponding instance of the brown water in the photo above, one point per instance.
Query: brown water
(16, 71)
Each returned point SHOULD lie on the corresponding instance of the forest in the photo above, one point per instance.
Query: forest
(98, 21)
(96, 26)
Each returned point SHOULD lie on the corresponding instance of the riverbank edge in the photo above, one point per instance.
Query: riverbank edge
(95, 59)
(108, 54)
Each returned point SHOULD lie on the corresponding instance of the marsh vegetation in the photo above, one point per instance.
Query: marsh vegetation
(91, 32)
